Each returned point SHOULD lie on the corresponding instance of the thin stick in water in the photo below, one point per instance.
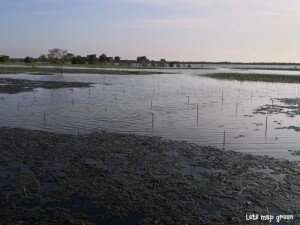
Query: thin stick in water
(266, 127)
(272, 102)
(152, 120)
(197, 114)
(224, 139)
(44, 117)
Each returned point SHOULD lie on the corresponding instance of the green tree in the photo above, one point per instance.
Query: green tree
(103, 59)
(79, 60)
(162, 62)
(29, 60)
(117, 59)
(58, 57)
(42, 58)
(142, 60)
(92, 59)
(172, 64)
(153, 63)
(4, 59)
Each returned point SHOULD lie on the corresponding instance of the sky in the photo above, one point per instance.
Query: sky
(185, 30)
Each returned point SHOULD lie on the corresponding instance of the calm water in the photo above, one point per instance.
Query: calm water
(125, 106)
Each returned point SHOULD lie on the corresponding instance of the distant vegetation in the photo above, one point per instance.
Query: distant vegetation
(255, 77)
(4, 59)
(50, 71)
(60, 57)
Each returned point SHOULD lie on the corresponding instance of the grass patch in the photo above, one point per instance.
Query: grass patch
(255, 77)
(50, 71)
(267, 68)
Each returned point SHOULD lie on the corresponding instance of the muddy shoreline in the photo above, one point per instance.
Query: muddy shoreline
(13, 86)
(111, 178)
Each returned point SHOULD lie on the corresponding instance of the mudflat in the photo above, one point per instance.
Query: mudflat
(112, 178)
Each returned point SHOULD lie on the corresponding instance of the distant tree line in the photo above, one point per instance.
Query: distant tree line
(60, 57)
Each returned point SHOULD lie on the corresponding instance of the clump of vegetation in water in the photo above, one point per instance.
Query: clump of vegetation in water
(255, 77)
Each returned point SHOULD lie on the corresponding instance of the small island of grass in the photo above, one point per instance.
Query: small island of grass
(256, 77)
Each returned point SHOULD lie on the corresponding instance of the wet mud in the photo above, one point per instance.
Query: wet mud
(111, 178)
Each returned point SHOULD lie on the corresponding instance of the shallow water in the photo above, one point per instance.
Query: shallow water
(125, 106)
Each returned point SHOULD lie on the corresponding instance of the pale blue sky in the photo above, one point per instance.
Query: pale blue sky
(196, 30)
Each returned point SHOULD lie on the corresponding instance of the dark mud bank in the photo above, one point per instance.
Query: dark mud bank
(110, 178)
(13, 86)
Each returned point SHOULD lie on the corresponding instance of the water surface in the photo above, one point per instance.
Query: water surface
(123, 104)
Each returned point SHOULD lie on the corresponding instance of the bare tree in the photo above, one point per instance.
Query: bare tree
(58, 57)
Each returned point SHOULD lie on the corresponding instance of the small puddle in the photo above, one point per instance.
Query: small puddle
(83, 206)
(50, 186)
(187, 169)
(20, 165)
(4, 172)
(5, 183)
(278, 177)
(120, 155)
(235, 201)
(91, 162)
(211, 209)
(57, 166)
(171, 154)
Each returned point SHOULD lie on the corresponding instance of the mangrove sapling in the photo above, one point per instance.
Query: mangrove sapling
(44, 117)
(58, 57)
(197, 113)
(272, 102)
(152, 114)
(224, 139)
(266, 129)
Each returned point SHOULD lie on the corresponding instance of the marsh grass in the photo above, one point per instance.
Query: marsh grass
(256, 77)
